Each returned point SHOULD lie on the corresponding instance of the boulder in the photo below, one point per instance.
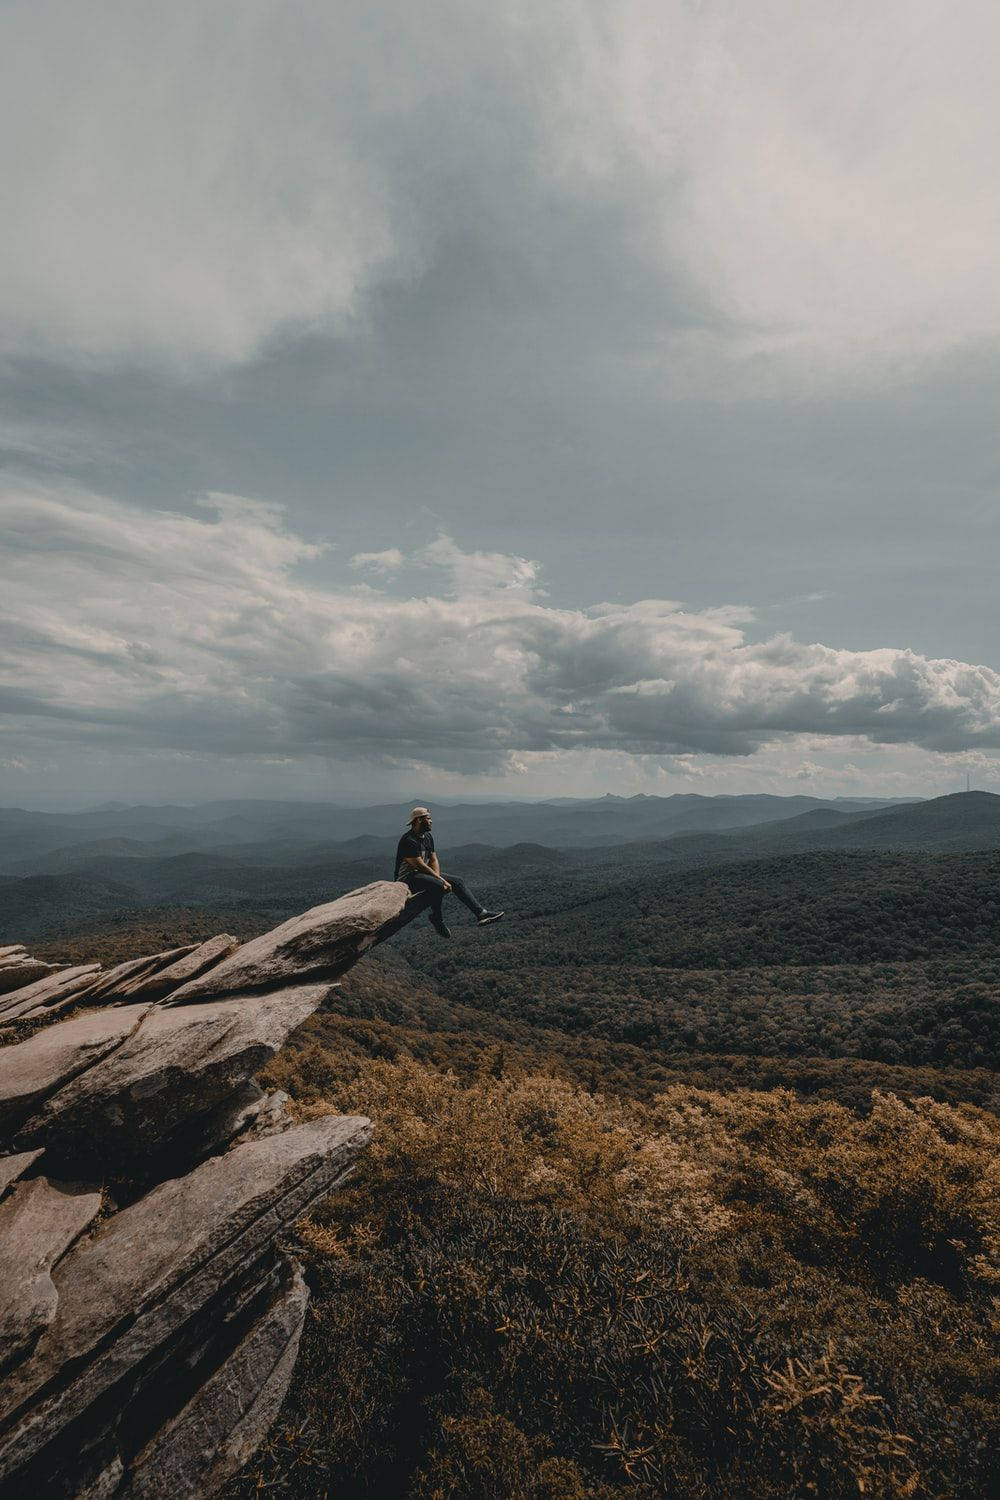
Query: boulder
(176, 1069)
(325, 940)
(34, 1069)
(133, 1299)
(44, 992)
(39, 1220)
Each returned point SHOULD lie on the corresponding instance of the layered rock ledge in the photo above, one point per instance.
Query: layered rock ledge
(149, 1321)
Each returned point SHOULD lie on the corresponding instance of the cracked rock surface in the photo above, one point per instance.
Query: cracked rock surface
(149, 1321)
(46, 992)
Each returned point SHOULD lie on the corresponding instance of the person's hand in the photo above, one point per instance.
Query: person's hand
(447, 886)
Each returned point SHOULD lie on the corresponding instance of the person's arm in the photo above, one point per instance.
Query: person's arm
(417, 862)
(436, 869)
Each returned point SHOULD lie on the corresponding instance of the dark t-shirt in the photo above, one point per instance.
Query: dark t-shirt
(412, 846)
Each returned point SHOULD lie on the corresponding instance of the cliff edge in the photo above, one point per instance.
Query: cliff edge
(149, 1320)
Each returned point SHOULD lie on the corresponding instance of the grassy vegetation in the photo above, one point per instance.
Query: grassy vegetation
(534, 1290)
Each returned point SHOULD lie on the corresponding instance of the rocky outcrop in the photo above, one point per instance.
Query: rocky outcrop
(49, 993)
(36, 1069)
(167, 1078)
(219, 1429)
(186, 964)
(18, 968)
(327, 939)
(149, 1320)
(167, 1283)
(133, 975)
(38, 1222)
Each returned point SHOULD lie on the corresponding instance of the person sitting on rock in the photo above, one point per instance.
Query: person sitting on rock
(418, 867)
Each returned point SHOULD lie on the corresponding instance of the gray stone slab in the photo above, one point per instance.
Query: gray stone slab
(226, 1421)
(39, 1220)
(173, 975)
(31, 1070)
(17, 973)
(113, 982)
(45, 991)
(50, 1012)
(326, 938)
(177, 1067)
(13, 1167)
(268, 1115)
(152, 1268)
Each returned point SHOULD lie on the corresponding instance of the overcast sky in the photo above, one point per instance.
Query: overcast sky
(481, 399)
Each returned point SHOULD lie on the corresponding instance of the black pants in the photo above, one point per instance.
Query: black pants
(434, 887)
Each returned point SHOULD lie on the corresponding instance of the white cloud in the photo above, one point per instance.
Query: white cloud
(468, 573)
(475, 572)
(831, 180)
(166, 631)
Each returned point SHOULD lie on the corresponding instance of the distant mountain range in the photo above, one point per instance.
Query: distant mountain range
(962, 821)
(278, 863)
(275, 830)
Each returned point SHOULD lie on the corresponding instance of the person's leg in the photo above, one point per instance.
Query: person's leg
(429, 885)
(465, 895)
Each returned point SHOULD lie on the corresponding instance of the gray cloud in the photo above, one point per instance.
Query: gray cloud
(200, 634)
(241, 171)
(685, 298)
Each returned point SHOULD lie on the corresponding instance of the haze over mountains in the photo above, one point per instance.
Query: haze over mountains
(58, 870)
(564, 823)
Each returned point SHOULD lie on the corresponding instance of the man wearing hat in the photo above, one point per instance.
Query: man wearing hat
(417, 866)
